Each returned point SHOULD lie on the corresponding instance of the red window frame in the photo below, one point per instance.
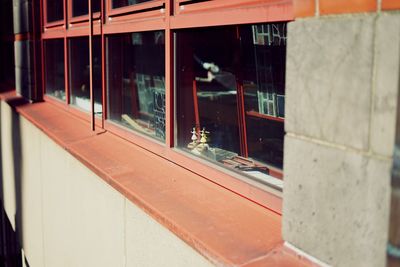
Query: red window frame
(166, 15)
(77, 20)
(136, 11)
(187, 6)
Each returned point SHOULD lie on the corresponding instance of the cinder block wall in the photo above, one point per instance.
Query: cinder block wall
(27, 44)
(65, 215)
(342, 84)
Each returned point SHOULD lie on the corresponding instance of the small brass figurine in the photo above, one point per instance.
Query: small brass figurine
(203, 141)
(194, 138)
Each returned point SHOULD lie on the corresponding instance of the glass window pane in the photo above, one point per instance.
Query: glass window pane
(80, 7)
(230, 96)
(136, 81)
(122, 3)
(54, 68)
(55, 10)
(80, 70)
(264, 90)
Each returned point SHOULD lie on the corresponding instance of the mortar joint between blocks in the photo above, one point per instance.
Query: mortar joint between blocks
(373, 84)
(366, 153)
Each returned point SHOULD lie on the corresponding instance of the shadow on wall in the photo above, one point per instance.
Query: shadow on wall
(10, 251)
(11, 176)
(11, 240)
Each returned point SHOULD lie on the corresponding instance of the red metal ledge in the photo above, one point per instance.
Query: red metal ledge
(227, 229)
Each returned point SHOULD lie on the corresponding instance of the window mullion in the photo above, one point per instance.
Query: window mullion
(169, 99)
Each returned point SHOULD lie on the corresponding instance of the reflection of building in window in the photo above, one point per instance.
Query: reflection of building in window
(230, 92)
(159, 112)
(145, 93)
(269, 34)
(227, 79)
(265, 36)
(137, 83)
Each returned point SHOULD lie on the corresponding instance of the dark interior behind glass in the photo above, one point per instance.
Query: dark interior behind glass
(122, 3)
(136, 81)
(80, 71)
(80, 7)
(55, 10)
(54, 68)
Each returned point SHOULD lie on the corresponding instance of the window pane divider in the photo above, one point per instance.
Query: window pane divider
(169, 85)
(92, 111)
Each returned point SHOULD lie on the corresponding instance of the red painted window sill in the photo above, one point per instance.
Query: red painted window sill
(227, 229)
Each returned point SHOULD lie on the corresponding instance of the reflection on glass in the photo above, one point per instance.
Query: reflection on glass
(230, 96)
(122, 3)
(54, 68)
(136, 81)
(264, 91)
(80, 7)
(55, 10)
(80, 71)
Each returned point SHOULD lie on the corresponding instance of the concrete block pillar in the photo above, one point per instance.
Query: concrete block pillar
(24, 23)
(342, 82)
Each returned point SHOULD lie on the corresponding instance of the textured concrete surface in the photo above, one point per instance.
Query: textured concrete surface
(387, 62)
(149, 244)
(336, 203)
(23, 81)
(328, 79)
(23, 51)
(342, 82)
(22, 10)
(22, 21)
